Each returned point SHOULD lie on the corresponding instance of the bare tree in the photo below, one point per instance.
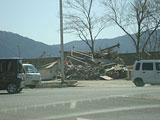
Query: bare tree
(81, 20)
(141, 17)
(154, 43)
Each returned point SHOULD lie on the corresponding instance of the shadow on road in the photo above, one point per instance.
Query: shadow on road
(4, 93)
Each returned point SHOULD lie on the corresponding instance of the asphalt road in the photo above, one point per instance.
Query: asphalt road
(82, 103)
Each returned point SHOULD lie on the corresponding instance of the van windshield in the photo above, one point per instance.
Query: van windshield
(30, 69)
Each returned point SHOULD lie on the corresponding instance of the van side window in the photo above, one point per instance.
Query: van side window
(10, 66)
(3, 67)
(147, 66)
(137, 66)
(157, 66)
(6, 66)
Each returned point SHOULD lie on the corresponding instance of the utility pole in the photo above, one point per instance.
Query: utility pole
(61, 37)
(19, 54)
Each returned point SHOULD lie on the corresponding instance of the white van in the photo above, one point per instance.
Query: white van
(33, 77)
(146, 72)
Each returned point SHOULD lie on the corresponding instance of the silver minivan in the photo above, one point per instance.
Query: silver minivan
(33, 77)
(146, 72)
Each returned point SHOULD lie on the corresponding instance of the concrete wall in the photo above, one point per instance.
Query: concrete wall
(129, 58)
(38, 62)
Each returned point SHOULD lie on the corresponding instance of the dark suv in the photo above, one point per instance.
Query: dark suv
(12, 76)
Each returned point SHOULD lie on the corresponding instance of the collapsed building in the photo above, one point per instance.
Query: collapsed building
(105, 65)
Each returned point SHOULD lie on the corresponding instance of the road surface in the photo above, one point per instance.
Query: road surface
(82, 103)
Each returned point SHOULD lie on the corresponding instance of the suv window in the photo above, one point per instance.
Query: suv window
(157, 66)
(137, 66)
(147, 66)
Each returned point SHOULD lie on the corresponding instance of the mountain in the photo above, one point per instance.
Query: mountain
(11, 44)
(126, 45)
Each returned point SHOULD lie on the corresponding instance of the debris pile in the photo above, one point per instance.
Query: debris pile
(81, 66)
(100, 71)
(79, 72)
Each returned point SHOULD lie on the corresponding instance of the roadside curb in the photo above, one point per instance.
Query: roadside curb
(52, 86)
(86, 83)
(57, 84)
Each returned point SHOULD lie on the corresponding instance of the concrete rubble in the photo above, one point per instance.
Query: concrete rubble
(106, 65)
(90, 72)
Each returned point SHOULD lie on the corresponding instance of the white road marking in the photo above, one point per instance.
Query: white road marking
(82, 119)
(73, 105)
(101, 111)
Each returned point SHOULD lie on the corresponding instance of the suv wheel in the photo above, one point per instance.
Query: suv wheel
(12, 88)
(139, 82)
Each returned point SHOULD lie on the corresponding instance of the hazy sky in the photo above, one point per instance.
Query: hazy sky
(38, 20)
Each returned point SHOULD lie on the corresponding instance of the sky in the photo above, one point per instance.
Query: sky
(39, 20)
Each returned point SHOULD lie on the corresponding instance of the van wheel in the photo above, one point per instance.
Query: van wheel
(19, 90)
(139, 82)
(12, 88)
